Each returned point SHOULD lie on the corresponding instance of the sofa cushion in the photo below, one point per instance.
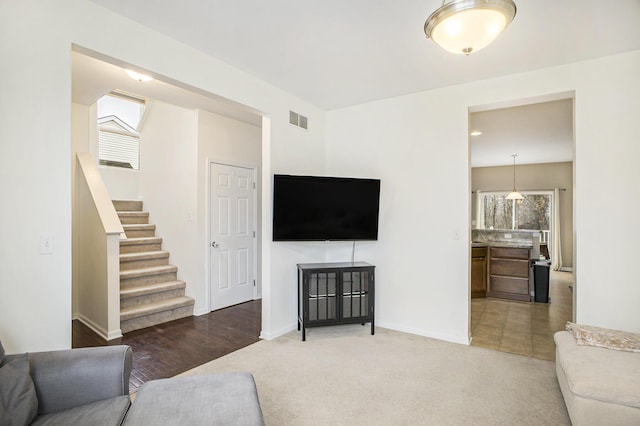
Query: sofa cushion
(597, 373)
(18, 400)
(218, 399)
(104, 413)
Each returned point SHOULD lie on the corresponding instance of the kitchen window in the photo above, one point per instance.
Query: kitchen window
(531, 213)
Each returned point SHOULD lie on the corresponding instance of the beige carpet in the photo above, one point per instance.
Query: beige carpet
(344, 376)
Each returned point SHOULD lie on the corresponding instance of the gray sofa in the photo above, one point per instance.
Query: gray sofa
(90, 386)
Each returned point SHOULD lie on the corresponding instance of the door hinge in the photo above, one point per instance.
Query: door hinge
(254, 283)
(254, 234)
(254, 185)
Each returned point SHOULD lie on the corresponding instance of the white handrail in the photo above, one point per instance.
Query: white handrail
(99, 193)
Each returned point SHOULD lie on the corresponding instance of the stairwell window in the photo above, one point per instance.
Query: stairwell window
(119, 118)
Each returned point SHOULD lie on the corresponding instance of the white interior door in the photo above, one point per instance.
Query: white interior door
(232, 240)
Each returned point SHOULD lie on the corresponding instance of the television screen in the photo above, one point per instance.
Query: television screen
(315, 208)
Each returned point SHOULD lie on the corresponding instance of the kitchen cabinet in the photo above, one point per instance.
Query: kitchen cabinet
(509, 273)
(478, 272)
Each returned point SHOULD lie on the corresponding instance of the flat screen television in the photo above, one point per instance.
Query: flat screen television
(317, 208)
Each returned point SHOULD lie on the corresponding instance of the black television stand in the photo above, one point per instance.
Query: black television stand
(335, 293)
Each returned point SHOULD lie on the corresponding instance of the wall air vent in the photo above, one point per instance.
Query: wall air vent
(298, 120)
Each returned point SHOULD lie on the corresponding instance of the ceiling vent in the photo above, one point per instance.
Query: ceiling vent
(298, 120)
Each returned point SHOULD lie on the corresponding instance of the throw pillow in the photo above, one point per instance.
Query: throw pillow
(587, 335)
(18, 400)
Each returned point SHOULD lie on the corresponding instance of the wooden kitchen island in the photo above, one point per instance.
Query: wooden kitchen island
(507, 271)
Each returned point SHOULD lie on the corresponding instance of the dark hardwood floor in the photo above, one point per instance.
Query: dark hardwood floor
(168, 349)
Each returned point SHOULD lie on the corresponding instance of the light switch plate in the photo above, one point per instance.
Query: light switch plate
(46, 244)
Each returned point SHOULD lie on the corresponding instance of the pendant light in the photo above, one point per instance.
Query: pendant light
(514, 195)
(465, 26)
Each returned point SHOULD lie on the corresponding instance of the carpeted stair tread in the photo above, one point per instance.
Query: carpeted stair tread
(141, 240)
(151, 288)
(133, 213)
(138, 227)
(127, 205)
(152, 308)
(143, 255)
(151, 270)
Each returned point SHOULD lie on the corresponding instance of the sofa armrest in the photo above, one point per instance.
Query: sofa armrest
(69, 378)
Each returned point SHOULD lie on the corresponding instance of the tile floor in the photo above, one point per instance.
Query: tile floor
(523, 328)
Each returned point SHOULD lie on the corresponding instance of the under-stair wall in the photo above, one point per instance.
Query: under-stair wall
(96, 251)
(150, 292)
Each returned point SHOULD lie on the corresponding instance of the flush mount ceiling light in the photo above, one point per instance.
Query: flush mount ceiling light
(514, 195)
(465, 26)
(143, 78)
(475, 133)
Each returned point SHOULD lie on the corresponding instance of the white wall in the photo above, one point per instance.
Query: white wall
(410, 144)
(227, 141)
(303, 154)
(418, 146)
(168, 183)
(123, 184)
(80, 118)
(35, 174)
(35, 179)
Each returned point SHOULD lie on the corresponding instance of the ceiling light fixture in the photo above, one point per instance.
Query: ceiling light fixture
(465, 26)
(143, 78)
(476, 133)
(514, 195)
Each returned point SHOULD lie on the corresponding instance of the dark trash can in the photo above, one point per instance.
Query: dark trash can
(541, 281)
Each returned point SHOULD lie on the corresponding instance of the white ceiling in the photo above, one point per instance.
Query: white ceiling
(340, 53)
(335, 53)
(537, 133)
(93, 78)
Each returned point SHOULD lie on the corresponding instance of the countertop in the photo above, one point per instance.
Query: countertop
(515, 244)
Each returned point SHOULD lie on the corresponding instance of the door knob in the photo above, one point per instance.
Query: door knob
(215, 244)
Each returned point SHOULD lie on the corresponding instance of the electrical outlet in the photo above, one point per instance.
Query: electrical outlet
(46, 244)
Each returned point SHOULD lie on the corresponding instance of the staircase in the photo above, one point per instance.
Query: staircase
(150, 292)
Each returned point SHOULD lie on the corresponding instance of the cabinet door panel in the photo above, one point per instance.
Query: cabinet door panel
(510, 253)
(322, 308)
(510, 285)
(509, 267)
(355, 306)
(323, 284)
(478, 252)
(478, 277)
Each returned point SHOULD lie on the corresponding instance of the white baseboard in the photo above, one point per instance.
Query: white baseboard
(439, 336)
(425, 333)
(274, 335)
(106, 335)
(566, 269)
(200, 312)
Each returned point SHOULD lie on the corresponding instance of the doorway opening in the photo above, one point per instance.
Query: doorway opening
(212, 125)
(503, 313)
